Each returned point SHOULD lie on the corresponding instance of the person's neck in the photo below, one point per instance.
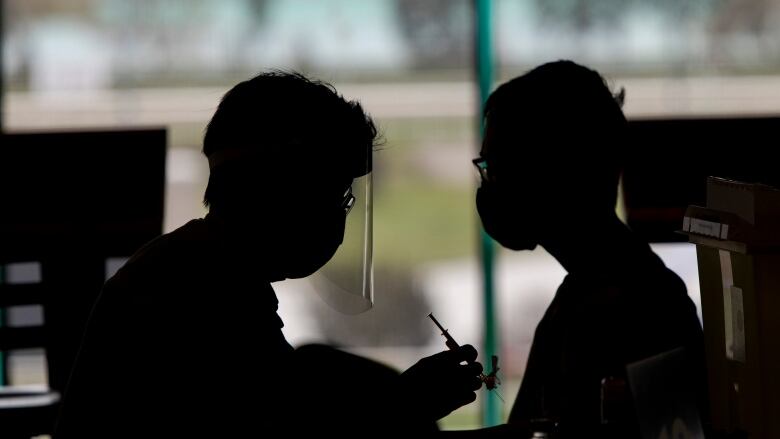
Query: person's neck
(591, 245)
(243, 242)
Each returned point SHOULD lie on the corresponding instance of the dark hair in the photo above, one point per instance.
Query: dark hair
(563, 117)
(291, 126)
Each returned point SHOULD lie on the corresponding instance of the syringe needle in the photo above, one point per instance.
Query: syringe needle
(451, 343)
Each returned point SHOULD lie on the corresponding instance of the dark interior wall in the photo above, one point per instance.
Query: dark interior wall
(668, 162)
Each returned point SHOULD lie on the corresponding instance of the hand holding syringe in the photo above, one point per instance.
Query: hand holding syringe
(491, 380)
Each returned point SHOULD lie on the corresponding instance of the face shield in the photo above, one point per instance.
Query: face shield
(346, 282)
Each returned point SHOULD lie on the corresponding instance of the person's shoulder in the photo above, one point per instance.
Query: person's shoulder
(167, 251)
(178, 243)
(642, 272)
(647, 270)
(657, 285)
(656, 275)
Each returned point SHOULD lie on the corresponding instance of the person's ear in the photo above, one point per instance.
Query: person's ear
(620, 97)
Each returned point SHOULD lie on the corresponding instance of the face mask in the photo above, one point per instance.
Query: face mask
(504, 221)
(308, 237)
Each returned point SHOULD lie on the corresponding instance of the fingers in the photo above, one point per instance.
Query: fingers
(468, 377)
(474, 368)
(455, 374)
(465, 378)
(469, 398)
(466, 353)
(451, 379)
(462, 398)
(476, 383)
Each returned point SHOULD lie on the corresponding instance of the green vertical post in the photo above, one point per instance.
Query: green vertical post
(483, 59)
(2, 77)
(3, 372)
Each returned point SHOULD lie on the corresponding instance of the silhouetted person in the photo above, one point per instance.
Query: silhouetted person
(185, 339)
(550, 165)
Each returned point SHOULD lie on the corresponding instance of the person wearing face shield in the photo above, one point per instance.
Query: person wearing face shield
(186, 338)
(550, 164)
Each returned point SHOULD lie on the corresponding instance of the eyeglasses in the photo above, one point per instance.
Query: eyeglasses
(481, 164)
(349, 201)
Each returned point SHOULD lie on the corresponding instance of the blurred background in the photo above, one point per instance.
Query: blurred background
(113, 63)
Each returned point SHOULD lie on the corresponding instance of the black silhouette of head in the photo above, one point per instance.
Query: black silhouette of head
(551, 153)
(283, 150)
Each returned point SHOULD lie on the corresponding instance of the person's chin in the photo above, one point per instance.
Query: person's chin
(305, 267)
(517, 245)
(300, 273)
(302, 269)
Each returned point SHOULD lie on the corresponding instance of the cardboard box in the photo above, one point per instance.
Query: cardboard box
(737, 237)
